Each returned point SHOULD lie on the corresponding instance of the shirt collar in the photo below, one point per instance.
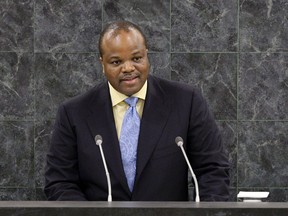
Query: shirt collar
(118, 97)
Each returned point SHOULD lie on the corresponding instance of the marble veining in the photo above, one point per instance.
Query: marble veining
(229, 133)
(263, 26)
(214, 74)
(262, 154)
(152, 16)
(16, 85)
(16, 26)
(17, 194)
(160, 64)
(61, 76)
(16, 150)
(43, 132)
(263, 86)
(67, 26)
(204, 26)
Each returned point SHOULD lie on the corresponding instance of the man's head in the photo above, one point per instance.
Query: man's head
(123, 54)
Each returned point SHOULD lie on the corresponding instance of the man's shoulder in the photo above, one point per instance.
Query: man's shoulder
(177, 92)
(171, 86)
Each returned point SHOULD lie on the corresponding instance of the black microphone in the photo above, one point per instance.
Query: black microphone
(179, 141)
(98, 141)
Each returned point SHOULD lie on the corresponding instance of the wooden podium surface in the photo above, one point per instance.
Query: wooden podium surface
(71, 208)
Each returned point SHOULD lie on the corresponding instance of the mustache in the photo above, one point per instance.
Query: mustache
(129, 76)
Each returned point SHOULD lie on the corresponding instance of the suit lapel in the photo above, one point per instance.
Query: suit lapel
(155, 115)
(101, 121)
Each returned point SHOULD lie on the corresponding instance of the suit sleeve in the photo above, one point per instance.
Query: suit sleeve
(206, 154)
(61, 176)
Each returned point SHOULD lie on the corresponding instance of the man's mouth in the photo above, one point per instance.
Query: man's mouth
(129, 78)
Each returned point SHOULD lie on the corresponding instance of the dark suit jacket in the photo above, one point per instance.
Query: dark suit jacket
(75, 169)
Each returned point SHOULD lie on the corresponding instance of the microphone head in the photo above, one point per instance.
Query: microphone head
(179, 141)
(98, 139)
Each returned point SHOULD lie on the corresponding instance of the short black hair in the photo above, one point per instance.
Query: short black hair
(116, 27)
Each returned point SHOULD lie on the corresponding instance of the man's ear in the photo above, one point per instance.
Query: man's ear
(103, 68)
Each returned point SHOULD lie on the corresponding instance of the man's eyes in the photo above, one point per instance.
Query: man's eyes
(118, 62)
(136, 59)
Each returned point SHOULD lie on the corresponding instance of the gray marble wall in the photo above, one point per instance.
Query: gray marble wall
(235, 51)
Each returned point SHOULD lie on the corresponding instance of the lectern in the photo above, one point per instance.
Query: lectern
(67, 208)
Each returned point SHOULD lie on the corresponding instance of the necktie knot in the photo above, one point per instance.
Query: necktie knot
(131, 101)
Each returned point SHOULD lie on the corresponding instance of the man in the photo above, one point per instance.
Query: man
(156, 169)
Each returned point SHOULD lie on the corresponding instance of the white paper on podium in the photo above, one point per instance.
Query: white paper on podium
(253, 194)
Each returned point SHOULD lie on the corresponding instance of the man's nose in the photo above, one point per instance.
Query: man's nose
(128, 66)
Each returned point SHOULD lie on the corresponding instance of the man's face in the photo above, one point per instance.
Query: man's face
(124, 60)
